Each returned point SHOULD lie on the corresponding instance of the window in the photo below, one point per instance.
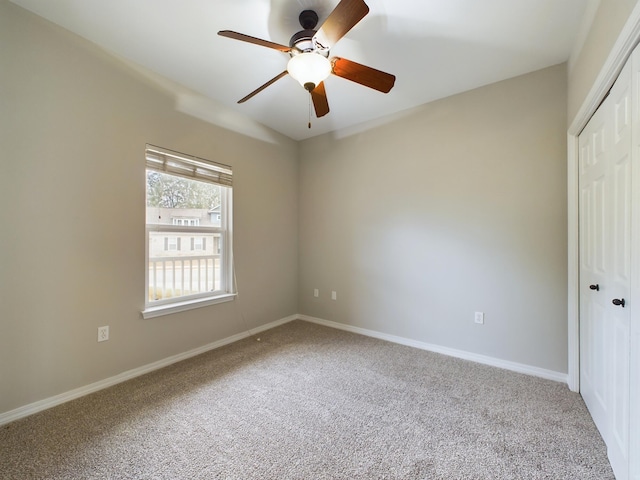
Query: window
(188, 246)
(192, 222)
(172, 243)
(198, 243)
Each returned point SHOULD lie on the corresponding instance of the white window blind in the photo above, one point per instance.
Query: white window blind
(188, 166)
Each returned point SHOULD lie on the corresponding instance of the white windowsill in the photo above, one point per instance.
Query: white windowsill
(170, 308)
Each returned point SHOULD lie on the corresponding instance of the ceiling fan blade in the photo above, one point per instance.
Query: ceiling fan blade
(367, 76)
(258, 90)
(319, 98)
(342, 19)
(256, 41)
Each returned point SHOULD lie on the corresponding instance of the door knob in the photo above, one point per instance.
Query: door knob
(618, 302)
(594, 287)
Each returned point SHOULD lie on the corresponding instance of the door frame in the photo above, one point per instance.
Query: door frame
(627, 40)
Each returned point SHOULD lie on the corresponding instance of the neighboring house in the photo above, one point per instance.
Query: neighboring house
(165, 243)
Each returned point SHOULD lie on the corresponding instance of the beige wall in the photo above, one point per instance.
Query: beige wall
(456, 208)
(608, 22)
(74, 123)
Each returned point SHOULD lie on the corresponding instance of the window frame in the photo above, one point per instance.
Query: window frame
(226, 291)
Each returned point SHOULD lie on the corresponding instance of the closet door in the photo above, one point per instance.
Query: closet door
(605, 269)
(595, 344)
(620, 279)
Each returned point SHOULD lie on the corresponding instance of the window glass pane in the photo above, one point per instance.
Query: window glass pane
(173, 200)
(183, 262)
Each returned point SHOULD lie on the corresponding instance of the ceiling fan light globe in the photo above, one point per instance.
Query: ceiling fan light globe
(309, 68)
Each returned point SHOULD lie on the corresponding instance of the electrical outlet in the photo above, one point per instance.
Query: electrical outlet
(479, 318)
(103, 333)
(334, 295)
(316, 292)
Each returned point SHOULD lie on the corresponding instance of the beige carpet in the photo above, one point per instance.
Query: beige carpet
(309, 402)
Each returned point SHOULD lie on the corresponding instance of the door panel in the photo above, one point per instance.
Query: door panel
(620, 398)
(621, 227)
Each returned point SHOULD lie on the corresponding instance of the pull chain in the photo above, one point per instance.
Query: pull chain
(309, 110)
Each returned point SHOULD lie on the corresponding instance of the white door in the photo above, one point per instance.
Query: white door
(595, 143)
(620, 278)
(605, 262)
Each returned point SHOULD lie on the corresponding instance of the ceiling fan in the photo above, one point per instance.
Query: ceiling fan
(309, 49)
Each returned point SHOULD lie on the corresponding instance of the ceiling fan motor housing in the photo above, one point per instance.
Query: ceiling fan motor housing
(303, 41)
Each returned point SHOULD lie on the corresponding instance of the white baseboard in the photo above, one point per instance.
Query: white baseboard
(30, 409)
(47, 403)
(474, 357)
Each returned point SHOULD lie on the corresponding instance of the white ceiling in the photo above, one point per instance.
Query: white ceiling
(436, 48)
